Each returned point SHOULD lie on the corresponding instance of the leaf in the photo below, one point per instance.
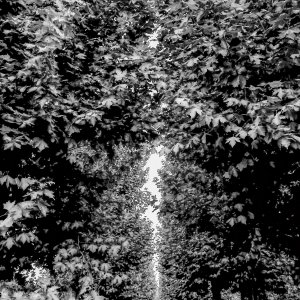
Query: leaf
(232, 141)
(177, 147)
(184, 102)
(25, 182)
(105, 267)
(242, 134)
(9, 205)
(8, 180)
(39, 143)
(19, 295)
(232, 101)
(96, 296)
(8, 222)
(23, 237)
(43, 208)
(250, 215)
(93, 248)
(120, 74)
(276, 120)
(231, 221)
(192, 62)
(9, 243)
(108, 102)
(242, 219)
(117, 280)
(239, 207)
(256, 58)
(52, 293)
(114, 250)
(48, 193)
(103, 248)
(275, 84)
(192, 5)
(236, 81)
(194, 111)
(242, 165)
(284, 142)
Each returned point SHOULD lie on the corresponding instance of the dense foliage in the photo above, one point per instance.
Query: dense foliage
(73, 85)
(232, 122)
(81, 93)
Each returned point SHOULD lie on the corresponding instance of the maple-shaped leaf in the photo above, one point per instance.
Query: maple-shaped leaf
(19, 295)
(232, 101)
(236, 81)
(242, 134)
(102, 248)
(42, 207)
(256, 58)
(242, 219)
(96, 296)
(192, 62)
(194, 111)
(23, 237)
(239, 206)
(48, 193)
(232, 141)
(25, 182)
(275, 84)
(284, 142)
(52, 293)
(250, 215)
(192, 5)
(242, 165)
(184, 102)
(120, 74)
(231, 221)
(8, 222)
(9, 243)
(114, 250)
(39, 143)
(8, 180)
(177, 147)
(117, 280)
(9, 205)
(93, 248)
(108, 102)
(105, 267)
